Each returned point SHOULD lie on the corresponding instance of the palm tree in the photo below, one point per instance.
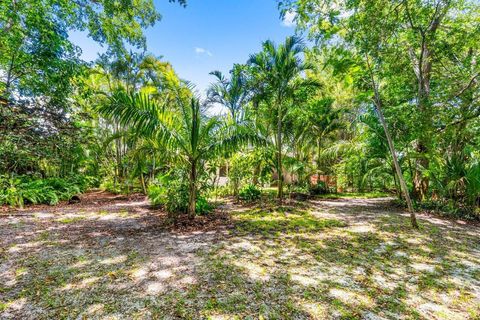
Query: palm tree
(276, 67)
(231, 93)
(320, 120)
(190, 136)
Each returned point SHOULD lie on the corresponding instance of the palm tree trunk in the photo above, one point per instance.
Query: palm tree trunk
(319, 151)
(142, 180)
(279, 155)
(256, 173)
(192, 196)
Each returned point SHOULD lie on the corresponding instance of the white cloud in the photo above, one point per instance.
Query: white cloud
(201, 51)
(289, 19)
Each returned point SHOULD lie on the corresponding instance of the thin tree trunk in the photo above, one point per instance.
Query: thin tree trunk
(279, 155)
(319, 151)
(9, 78)
(142, 179)
(397, 187)
(398, 169)
(256, 173)
(192, 197)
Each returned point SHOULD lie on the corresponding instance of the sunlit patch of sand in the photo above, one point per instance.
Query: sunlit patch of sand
(316, 310)
(81, 264)
(253, 270)
(155, 287)
(423, 267)
(350, 297)
(139, 274)
(361, 228)
(163, 274)
(246, 246)
(304, 280)
(220, 317)
(432, 310)
(24, 246)
(94, 309)
(187, 280)
(114, 260)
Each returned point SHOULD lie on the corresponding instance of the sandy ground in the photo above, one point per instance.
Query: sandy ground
(111, 257)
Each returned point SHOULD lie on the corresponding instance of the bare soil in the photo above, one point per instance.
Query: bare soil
(116, 257)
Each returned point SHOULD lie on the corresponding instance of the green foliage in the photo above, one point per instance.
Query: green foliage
(170, 192)
(222, 191)
(416, 60)
(22, 190)
(203, 207)
(249, 193)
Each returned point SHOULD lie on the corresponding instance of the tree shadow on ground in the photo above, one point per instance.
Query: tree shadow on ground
(309, 262)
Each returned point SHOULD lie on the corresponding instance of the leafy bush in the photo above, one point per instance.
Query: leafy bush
(222, 191)
(202, 206)
(21, 190)
(110, 186)
(299, 188)
(249, 193)
(171, 192)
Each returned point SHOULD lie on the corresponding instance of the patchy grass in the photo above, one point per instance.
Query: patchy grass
(354, 195)
(67, 220)
(341, 259)
(281, 220)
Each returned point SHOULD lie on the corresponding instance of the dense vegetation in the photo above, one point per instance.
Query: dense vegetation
(386, 98)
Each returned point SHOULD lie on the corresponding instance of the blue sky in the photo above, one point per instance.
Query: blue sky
(207, 35)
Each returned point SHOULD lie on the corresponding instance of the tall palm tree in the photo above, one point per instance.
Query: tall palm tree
(190, 136)
(277, 67)
(231, 93)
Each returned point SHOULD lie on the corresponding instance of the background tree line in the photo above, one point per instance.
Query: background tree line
(127, 122)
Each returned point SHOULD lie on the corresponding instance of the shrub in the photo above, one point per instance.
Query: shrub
(222, 191)
(202, 206)
(172, 194)
(249, 193)
(22, 190)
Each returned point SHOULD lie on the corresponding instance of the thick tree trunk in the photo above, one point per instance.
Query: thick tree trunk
(192, 191)
(420, 181)
(422, 67)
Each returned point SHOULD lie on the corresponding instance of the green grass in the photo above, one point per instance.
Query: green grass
(67, 220)
(282, 220)
(354, 195)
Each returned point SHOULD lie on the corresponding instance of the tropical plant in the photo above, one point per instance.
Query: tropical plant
(231, 93)
(249, 193)
(188, 134)
(277, 67)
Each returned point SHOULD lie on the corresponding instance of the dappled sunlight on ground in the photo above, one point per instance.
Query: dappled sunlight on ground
(345, 258)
